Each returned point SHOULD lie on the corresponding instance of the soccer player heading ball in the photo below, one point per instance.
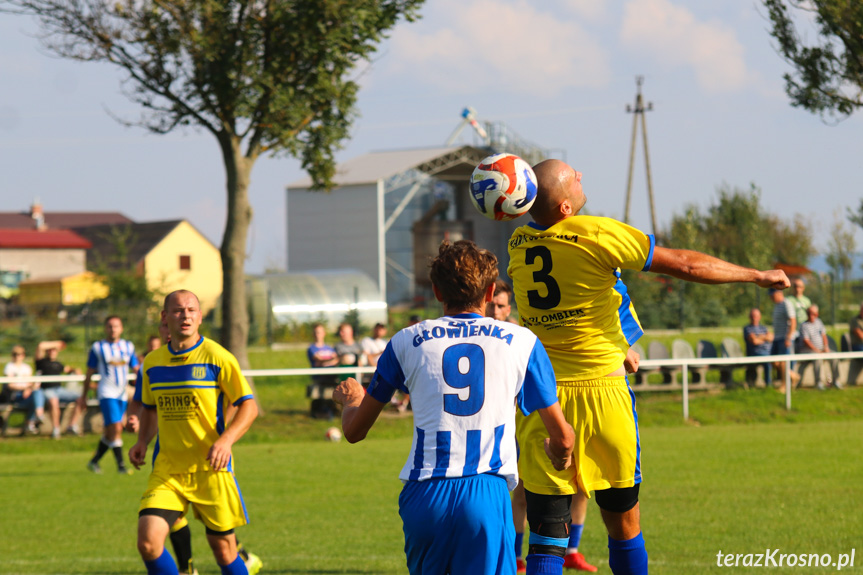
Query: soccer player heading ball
(464, 373)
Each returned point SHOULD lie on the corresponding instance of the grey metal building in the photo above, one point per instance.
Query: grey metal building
(387, 216)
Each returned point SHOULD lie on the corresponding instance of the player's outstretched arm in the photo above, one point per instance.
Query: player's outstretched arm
(561, 440)
(220, 452)
(701, 268)
(359, 410)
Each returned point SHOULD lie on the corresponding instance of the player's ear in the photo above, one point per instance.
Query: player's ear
(565, 208)
(437, 293)
(489, 293)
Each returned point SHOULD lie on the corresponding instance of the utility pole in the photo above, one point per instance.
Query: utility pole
(638, 112)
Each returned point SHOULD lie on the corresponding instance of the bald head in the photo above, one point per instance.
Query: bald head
(559, 194)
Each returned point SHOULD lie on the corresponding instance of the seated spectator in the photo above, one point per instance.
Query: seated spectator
(27, 394)
(855, 331)
(321, 354)
(55, 391)
(348, 349)
(759, 341)
(813, 338)
(374, 345)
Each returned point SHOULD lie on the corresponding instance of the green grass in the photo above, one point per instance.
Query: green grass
(320, 508)
(741, 476)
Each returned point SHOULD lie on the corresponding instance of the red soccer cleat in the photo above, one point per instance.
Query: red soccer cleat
(578, 562)
(520, 566)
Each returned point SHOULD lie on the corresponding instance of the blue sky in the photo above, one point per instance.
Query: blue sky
(560, 73)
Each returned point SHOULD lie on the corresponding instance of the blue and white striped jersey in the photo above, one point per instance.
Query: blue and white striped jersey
(112, 362)
(465, 374)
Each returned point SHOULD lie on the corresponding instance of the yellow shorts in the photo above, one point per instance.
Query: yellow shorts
(215, 497)
(607, 450)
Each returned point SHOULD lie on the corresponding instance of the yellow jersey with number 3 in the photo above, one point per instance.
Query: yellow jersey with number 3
(191, 391)
(566, 280)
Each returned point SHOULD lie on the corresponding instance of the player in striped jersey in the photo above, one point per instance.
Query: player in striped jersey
(465, 373)
(112, 358)
(566, 277)
(187, 388)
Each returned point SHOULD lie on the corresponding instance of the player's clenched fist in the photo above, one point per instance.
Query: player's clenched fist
(348, 393)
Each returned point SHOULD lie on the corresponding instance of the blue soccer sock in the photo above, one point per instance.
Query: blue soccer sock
(238, 567)
(519, 543)
(538, 564)
(574, 537)
(164, 565)
(627, 557)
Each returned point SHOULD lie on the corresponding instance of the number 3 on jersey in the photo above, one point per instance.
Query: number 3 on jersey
(542, 276)
(470, 358)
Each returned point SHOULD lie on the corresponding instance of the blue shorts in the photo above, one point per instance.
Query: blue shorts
(113, 410)
(459, 526)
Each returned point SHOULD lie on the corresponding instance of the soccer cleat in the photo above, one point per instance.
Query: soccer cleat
(520, 565)
(253, 563)
(123, 470)
(94, 467)
(192, 571)
(578, 562)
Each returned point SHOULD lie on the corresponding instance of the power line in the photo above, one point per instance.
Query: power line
(637, 112)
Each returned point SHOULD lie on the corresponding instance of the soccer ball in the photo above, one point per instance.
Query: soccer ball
(503, 187)
(333, 434)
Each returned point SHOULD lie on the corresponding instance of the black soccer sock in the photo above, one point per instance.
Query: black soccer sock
(100, 450)
(118, 455)
(181, 541)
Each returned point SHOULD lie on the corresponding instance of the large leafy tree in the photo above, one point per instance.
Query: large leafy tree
(828, 74)
(260, 76)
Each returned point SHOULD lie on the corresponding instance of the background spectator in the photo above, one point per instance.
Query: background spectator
(784, 326)
(26, 394)
(55, 391)
(349, 350)
(758, 342)
(855, 331)
(500, 307)
(800, 303)
(813, 339)
(321, 354)
(374, 345)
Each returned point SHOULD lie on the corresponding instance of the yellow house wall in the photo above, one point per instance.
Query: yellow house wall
(76, 289)
(162, 266)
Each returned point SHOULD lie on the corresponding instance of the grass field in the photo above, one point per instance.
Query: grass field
(731, 484)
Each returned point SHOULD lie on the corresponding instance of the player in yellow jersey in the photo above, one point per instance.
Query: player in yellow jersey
(566, 275)
(187, 388)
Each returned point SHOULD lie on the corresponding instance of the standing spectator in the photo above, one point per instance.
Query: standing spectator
(187, 389)
(374, 345)
(55, 391)
(784, 326)
(801, 304)
(855, 331)
(813, 339)
(759, 341)
(466, 373)
(112, 358)
(26, 394)
(348, 349)
(320, 353)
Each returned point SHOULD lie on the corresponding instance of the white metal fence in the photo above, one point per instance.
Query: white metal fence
(683, 363)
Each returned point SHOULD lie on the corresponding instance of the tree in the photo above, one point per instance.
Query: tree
(828, 76)
(265, 76)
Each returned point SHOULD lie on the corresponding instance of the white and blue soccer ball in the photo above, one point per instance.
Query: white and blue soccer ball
(503, 187)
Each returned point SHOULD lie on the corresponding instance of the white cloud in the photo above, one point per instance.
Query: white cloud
(673, 35)
(488, 45)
